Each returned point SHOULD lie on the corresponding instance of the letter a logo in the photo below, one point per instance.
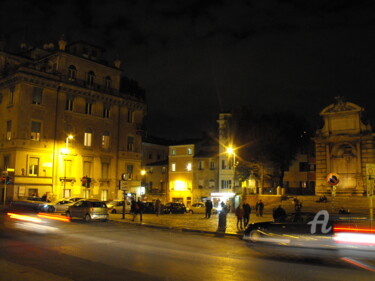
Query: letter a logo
(323, 222)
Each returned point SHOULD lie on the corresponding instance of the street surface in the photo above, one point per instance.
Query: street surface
(123, 251)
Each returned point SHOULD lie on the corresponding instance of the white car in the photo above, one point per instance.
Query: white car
(116, 207)
(57, 206)
(200, 208)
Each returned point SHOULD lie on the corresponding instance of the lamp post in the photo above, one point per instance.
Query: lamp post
(143, 174)
(231, 152)
(70, 137)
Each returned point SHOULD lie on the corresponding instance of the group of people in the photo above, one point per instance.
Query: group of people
(322, 199)
(243, 215)
(297, 205)
(137, 208)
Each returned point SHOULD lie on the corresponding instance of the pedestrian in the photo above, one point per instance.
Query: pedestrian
(259, 208)
(247, 212)
(139, 207)
(298, 206)
(133, 208)
(223, 218)
(240, 214)
(44, 197)
(278, 213)
(157, 207)
(208, 208)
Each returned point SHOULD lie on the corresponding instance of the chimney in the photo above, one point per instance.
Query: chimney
(62, 43)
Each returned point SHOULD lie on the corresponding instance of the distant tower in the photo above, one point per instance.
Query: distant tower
(62, 43)
(226, 171)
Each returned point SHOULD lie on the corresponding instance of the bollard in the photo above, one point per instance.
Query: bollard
(222, 218)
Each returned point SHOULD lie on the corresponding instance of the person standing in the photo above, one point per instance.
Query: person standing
(157, 207)
(259, 208)
(247, 212)
(279, 212)
(133, 208)
(208, 208)
(140, 208)
(240, 214)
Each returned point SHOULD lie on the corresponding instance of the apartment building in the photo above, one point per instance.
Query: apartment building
(70, 123)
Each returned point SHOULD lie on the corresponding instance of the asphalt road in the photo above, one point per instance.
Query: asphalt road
(117, 251)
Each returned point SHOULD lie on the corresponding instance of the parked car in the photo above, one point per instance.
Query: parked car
(88, 209)
(116, 206)
(57, 206)
(200, 208)
(26, 205)
(174, 208)
(74, 199)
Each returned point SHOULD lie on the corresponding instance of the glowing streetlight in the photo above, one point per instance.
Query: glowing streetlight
(231, 153)
(70, 137)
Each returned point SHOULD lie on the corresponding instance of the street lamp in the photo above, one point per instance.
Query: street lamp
(230, 151)
(70, 137)
(143, 174)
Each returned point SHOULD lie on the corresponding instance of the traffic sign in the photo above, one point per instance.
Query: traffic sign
(123, 185)
(333, 179)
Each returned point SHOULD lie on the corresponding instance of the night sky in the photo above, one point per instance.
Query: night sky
(198, 58)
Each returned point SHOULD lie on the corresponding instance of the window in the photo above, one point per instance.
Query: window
(303, 184)
(189, 151)
(85, 52)
(312, 167)
(226, 184)
(9, 130)
(105, 140)
(200, 164)
(130, 116)
(69, 103)
(86, 193)
(130, 143)
(105, 169)
(303, 166)
(86, 169)
(6, 161)
(106, 111)
(212, 164)
(35, 130)
(211, 184)
(37, 95)
(104, 195)
(173, 152)
(67, 168)
(87, 138)
(90, 78)
(173, 167)
(107, 83)
(88, 109)
(129, 170)
(163, 170)
(150, 156)
(223, 164)
(188, 166)
(72, 73)
(33, 166)
(158, 156)
(11, 96)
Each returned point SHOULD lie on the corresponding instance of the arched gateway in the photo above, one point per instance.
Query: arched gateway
(345, 145)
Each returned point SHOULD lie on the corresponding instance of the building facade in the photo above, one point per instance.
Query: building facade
(67, 127)
(345, 146)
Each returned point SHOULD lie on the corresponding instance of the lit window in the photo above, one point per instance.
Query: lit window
(37, 95)
(87, 138)
(35, 130)
(33, 166)
(72, 72)
(105, 140)
(226, 184)
(88, 109)
(188, 167)
(163, 170)
(90, 78)
(173, 152)
(9, 130)
(201, 165)
(189, 151)
(173, 167)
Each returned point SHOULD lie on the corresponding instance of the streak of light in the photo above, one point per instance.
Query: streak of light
(359, 264)
(24, 217)
(54, 217)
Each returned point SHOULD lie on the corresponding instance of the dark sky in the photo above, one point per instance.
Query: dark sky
(197, 58)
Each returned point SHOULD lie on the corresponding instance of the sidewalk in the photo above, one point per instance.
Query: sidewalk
(190, 222)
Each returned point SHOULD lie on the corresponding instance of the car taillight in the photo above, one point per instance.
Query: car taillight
(92, 209)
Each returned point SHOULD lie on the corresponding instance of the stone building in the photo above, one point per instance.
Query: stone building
(344, 145)
(67, 127)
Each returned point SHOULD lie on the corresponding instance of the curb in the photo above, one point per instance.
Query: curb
(216, 233)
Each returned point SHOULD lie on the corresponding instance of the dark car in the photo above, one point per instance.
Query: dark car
(294, 229)
(174, 208)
